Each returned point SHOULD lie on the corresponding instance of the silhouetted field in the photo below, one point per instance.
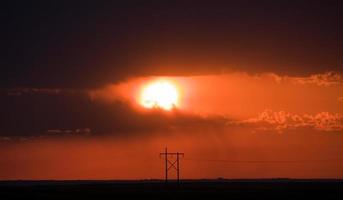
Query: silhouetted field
(188, 189)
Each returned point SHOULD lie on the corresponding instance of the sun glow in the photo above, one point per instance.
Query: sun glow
(160, 94)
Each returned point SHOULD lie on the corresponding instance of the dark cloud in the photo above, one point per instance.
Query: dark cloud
(34, 91)
(326, 79)
(84, 44)
(82, 131)
(62, 113)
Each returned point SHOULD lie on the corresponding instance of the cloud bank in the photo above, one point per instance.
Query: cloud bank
(215, 102)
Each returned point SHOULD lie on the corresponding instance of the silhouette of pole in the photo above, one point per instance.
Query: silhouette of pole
(166, 163)
(178, 168)
(172, 163)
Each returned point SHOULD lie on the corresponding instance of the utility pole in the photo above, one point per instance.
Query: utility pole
(166, 163)
(171, 163)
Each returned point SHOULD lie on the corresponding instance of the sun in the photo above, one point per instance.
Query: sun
(159, 94)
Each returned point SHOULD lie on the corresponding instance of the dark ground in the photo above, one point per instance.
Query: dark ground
(189, 189)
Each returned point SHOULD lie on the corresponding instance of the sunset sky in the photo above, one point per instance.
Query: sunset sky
(96, 90)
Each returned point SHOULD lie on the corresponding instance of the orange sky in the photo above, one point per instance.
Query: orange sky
(260, 84)
(109, 158)
(294, 124)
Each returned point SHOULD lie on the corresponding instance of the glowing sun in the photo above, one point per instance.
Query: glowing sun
(160, 94)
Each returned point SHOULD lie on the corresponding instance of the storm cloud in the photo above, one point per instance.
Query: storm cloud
(62, 113)
(108, 42)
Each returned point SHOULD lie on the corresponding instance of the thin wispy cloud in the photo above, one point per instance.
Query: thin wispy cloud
(325, 79)
(282, 120)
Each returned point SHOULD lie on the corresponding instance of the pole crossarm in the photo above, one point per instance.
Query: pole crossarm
(171, 154)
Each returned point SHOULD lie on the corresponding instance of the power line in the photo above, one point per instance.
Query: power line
(263, 161)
